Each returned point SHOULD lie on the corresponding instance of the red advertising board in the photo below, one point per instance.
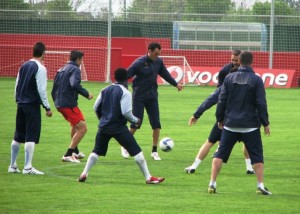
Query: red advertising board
(277, 78)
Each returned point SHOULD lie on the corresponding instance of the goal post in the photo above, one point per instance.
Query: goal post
(54, 60)
(179, 69)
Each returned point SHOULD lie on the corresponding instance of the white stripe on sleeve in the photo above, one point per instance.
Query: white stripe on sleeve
(126, 106)
(41, 81)
(97, 102)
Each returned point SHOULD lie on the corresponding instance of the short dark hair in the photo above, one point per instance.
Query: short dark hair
(153, 45)
(75, 54)
(236, 52)
(39, 49)
(121, 74)
(246, 58)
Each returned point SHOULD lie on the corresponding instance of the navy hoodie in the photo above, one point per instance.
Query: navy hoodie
(242, 101)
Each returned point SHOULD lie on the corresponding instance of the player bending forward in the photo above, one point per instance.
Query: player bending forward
(113, 109)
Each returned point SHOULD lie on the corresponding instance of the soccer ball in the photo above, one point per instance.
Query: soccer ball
(166, 144)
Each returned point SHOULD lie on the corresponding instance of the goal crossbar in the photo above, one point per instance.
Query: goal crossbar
(57, 52)
(184, 65)
(55, 61)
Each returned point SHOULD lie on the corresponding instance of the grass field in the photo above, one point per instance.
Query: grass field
(116, 185)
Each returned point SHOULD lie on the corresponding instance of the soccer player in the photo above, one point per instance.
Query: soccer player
(215, 134)
(145, 96)
(241, 110)
(66, 87)
(30, 93)
(113, 108)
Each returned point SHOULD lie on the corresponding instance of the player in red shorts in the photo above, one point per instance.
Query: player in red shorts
(66, 88)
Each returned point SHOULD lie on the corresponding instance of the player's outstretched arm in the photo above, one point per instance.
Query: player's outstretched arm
(210, 101)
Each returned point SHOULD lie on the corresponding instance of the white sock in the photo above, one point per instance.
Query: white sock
(261, 185)
(248, 164)
(196, 163)
(141, 162)
(29, 149)
(15, 147)
(92, 159)
(214, 183)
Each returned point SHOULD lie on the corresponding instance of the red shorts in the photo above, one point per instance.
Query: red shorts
(73, 115)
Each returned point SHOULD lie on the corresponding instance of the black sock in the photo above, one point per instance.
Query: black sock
(154, 148)
(76, 150)
(69, 152)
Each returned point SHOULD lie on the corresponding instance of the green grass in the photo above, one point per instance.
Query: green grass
(116, 185)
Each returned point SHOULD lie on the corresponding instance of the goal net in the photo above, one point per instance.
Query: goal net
(56, 59)
(114, 33)
(179, 69)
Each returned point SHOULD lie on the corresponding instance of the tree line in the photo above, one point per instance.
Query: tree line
(152, 10)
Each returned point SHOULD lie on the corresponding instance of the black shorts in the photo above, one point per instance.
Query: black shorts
(215, 134)
(28, 123)
(152, 109)
(252, 141)
(124, 138)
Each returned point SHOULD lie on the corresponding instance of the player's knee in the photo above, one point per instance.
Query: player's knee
(156, 126)
(81, 127)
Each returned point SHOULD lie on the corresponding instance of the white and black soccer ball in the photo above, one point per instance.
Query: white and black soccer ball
(166, 144)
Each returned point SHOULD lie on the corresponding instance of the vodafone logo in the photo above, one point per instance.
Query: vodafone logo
(176, 72)
(209, 76)
(190, 77)
(204, 77)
